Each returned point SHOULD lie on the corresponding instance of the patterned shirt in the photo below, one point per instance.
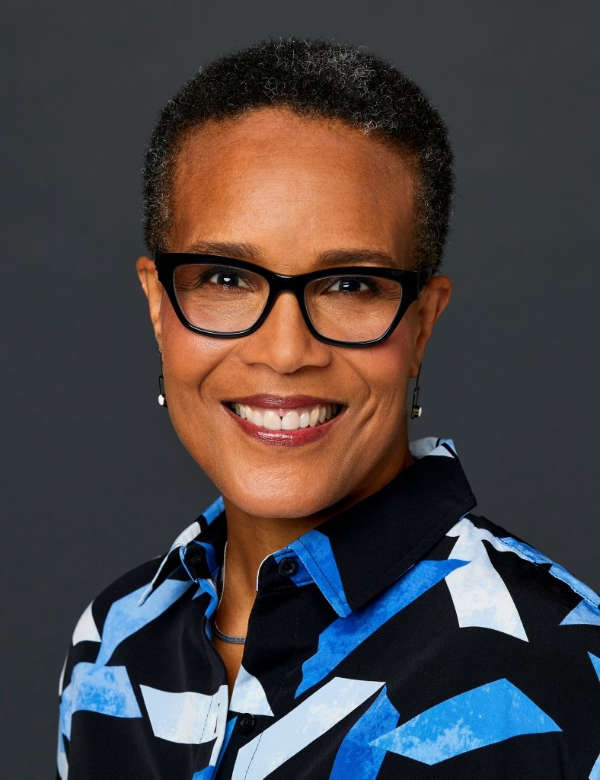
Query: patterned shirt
(405, 637)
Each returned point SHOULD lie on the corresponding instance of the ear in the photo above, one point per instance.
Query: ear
(431, 303)
(153, 289)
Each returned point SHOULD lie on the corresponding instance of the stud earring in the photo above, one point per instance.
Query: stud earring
(417, 409)
(162, 398)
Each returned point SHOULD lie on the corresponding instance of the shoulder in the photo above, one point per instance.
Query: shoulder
(508, 585)
(133, 581)
(86, 638)
(502, 557)
(528, 623)
(122, 607)
(122, 632)
(109, 630)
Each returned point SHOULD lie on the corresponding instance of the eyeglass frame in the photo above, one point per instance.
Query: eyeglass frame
(412, 282)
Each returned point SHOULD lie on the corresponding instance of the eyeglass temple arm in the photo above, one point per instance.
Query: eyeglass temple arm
(424, 275)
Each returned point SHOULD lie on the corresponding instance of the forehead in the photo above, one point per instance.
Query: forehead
(273, 176)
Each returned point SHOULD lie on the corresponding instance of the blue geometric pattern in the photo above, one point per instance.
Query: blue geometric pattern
(306, 723)
(228, 731)
(314, 550)
(126, 617)
(482, 716)
(582, 614)
(208, 772)
(447, 442)
(205, 774)
(214, 510)
(595, 663)
(440, 640)
(103, 689)
(206, 586)
(357, 757)
(62, 765)
(345, 634)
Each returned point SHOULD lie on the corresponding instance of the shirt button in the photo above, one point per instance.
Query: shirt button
(246, 722)
(195, 561)
(287, 567)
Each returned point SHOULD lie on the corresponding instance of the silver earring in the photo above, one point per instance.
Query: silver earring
(417, 409)
(162, 398)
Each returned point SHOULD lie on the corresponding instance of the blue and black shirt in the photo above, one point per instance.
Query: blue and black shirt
(406, 637)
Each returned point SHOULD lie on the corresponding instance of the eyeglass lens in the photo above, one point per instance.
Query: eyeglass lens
(225, 299)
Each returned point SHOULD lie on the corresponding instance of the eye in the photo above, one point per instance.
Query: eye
(352, 284)
(224, 276)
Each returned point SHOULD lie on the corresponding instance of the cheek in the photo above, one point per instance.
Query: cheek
(386, 368)
(188, 357)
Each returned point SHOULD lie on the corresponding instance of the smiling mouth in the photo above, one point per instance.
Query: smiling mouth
(287, 419)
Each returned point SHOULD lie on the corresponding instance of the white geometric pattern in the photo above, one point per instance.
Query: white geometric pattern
(478, 592)
(248, 695)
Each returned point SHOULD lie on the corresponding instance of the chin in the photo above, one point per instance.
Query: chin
(290, 502)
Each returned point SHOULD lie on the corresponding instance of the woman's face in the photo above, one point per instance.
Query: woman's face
(294, 188)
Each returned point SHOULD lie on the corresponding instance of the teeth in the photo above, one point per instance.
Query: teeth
(290, 421)
(287, 420)
(272, 420)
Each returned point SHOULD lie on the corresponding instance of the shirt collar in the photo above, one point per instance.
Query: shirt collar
(357, 553)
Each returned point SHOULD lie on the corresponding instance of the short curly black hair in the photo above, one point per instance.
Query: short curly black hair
(315, 78)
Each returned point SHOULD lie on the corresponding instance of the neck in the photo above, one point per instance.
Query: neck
(250, 539)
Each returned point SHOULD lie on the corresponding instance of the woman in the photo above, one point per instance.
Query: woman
(339, 610)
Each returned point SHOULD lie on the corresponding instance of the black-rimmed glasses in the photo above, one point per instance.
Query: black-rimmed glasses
(349, 306)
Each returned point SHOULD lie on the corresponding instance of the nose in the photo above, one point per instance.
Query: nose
(284, 341)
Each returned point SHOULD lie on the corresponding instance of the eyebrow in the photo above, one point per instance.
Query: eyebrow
(331, 257)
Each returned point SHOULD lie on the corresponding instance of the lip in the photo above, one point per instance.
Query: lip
(267, 401)
(283, 438)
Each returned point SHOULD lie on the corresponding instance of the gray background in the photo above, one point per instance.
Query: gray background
(95, 480)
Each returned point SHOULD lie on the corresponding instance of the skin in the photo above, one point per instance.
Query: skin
(294, 187)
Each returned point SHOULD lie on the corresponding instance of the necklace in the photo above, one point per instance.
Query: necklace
(236, 640)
